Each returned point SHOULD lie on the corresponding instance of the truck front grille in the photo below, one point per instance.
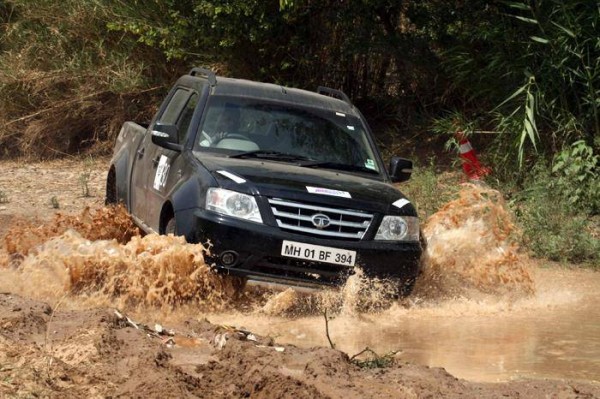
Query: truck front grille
(321, 221)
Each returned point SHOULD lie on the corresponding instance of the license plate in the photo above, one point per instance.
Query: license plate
(318, 253)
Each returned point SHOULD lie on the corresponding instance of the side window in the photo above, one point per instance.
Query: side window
(186, 117)
(175, 106)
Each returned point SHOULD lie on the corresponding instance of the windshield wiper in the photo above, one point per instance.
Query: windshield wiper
(338, 166)
(267, 154)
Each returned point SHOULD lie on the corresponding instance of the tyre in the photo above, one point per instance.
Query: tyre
(171, 227)
(405, 288)
(111, 189)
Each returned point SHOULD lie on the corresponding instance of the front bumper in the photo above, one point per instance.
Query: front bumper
(257, 251)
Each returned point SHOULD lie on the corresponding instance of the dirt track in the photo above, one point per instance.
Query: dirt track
(42, 189)
(62, 349)
(94, 353)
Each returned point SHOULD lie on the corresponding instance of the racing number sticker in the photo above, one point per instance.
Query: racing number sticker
(162, 172)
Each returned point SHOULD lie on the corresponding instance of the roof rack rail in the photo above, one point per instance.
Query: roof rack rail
(210, 75)
(340, 95)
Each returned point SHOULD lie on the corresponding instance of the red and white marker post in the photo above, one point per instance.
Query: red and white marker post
(471, 165)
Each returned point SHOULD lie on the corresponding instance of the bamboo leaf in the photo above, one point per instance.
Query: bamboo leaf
(530, 106)
(531, 132)
(523, 134)
(539, 39)
(558, 166)
(518, 6)
(512, 96)
(521, 142)
(528, 20)
(567, 31)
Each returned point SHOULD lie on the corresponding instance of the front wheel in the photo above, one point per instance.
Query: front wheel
(405, 287)
(111, 189)
(171, 227)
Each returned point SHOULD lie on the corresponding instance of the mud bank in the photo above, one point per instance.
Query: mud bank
(46, 352)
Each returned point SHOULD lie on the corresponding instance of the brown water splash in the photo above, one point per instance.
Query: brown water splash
(100, 254)
(106, 223)
(472, 249)
(155, 271)
(360, 294)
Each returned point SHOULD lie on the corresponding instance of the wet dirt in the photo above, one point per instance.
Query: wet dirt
(492, 316)
(554, 334)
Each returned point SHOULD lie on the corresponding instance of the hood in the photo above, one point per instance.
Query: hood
(316, 185)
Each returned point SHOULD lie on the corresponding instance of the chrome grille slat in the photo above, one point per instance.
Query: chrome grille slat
(276, 201)
(343, 223)
(308, 219)
(320, 232)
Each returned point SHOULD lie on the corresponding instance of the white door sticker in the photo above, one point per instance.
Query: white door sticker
(162, 172)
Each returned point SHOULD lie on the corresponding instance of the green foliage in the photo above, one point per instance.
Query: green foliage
(48, 36)
(429, 189)
(234, 32)
(528, 69)
(535, 65)
(373, 360)
(577, 172)
(360, 47)
(451, 123)
(552, 228)
(527, 118)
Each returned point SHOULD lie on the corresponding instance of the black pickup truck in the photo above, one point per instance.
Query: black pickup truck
(287, 184)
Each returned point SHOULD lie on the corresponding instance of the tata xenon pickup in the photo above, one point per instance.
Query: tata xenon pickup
(286, 184)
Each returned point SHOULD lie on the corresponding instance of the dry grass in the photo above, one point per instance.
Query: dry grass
(71, 124)
(66, 82)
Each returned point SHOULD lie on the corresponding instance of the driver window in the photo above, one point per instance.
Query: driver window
(173, 110)
(186, 118)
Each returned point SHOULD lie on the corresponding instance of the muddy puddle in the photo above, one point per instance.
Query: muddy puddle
(481, 309)
(553, 334)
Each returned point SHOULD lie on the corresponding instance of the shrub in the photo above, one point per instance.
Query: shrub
(552, 227)
(577, 172)
(429, 189)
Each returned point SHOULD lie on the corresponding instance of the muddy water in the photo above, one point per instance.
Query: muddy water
(481, 309)
(554, 334)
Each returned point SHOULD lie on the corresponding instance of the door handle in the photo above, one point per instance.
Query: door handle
(141, 152)
(155, 161)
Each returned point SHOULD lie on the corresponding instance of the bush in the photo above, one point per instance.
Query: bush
(577, 172)
(552, 227)
(429, 189)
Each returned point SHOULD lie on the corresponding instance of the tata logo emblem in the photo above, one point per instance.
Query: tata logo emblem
(320, 221)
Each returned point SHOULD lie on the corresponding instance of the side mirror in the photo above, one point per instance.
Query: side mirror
(166, 136)
(400, 169)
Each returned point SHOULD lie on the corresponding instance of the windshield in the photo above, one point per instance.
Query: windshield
(244, 126)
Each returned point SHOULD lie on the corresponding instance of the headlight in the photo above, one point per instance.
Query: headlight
(398, 228)
(232, 203)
